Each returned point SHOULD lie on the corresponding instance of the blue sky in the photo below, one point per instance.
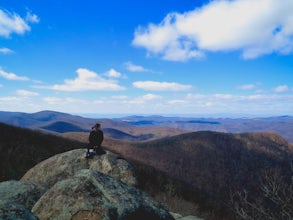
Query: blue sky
(174, 57)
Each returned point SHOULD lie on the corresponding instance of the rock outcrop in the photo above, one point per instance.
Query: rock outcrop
(10, 210)
(26, 194)
(17, 198)
(69, 186)
(93, 195)
(62, 166)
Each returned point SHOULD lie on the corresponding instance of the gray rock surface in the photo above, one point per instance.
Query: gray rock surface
(26, 194)
(15, 211)
(189, 217)
(93, 195)
(178, 216)
(62, 166)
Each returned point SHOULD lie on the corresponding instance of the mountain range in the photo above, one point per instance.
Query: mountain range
(283, 125)
(145, 128)
(192, 172)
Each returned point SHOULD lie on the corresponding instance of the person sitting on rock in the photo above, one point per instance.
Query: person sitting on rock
(96, 138)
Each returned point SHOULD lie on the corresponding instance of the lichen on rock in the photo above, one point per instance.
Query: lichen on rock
(62, 166)
(26, 194)
(91, 193)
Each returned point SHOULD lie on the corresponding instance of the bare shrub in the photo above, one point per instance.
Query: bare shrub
(274, 202)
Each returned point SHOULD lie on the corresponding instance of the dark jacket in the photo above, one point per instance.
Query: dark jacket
(96, 138)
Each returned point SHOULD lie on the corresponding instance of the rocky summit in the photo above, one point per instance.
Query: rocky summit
(64, 165)
(69, 186)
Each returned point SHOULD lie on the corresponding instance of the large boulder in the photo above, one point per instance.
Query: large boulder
(26, 194)
(64, 165)
(98, 188)
(15, 211)
(92, 195)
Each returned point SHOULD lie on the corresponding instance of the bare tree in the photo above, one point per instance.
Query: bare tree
(274, 202)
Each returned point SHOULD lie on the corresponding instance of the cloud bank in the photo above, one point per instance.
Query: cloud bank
(255, 28)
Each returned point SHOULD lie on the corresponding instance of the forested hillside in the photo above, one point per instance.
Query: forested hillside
(219, 165)
(23, 148)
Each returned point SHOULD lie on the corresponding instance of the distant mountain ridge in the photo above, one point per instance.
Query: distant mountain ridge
(283, 125)
(39, 119)
(117, 134)
(60, 123)
(62, 127)
(137, 128)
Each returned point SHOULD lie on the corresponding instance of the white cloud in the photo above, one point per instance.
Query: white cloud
(87, 80)
(12, 76)
(112, 73)
(161, 86)
(51, 100)
(5, 50)
(254, 27)
(26, 93)
(134, 68)
(9, 99)
(33, 18)
(148, 99)
(221, 97)
(119, 97)
(247, 87)
(195, 104)
(281, 88)
(18, 103)
(244, 104)
(177, 102)
(151, 97)
(13, 23)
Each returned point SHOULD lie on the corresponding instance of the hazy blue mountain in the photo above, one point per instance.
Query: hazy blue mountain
(282, 125)
(148, 126)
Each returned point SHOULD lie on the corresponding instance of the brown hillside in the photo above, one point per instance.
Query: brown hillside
(215, 163)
